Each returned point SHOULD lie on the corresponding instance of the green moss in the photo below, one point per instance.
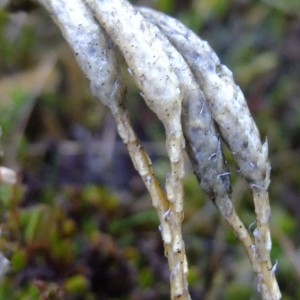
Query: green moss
(166, 6)
(76, 285)
(146, 278)
(239, 291)
(19, 260)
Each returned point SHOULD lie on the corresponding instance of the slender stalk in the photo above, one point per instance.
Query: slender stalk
(184, 83)
(237, 127)
(152, 71)
(204, 147)
(267, 281)
(96, 56)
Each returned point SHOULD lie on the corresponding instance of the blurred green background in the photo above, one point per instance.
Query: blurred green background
(79, 222)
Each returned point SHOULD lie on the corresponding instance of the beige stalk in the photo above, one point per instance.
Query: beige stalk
(184, 83)
(238, 129)
(96, 55)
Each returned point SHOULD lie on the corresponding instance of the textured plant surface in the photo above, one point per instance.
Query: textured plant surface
(201, 108)
(163, 76)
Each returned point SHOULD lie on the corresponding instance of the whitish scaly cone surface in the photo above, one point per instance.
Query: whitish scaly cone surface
(143, 53)
(224, 97)
(153, 73)
(96, 57)
(202, 141)
(94, 54)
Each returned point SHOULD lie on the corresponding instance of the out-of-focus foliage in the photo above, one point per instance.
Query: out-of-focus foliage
(79, 223)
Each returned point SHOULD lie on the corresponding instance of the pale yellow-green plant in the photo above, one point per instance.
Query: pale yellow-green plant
(195, 97)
